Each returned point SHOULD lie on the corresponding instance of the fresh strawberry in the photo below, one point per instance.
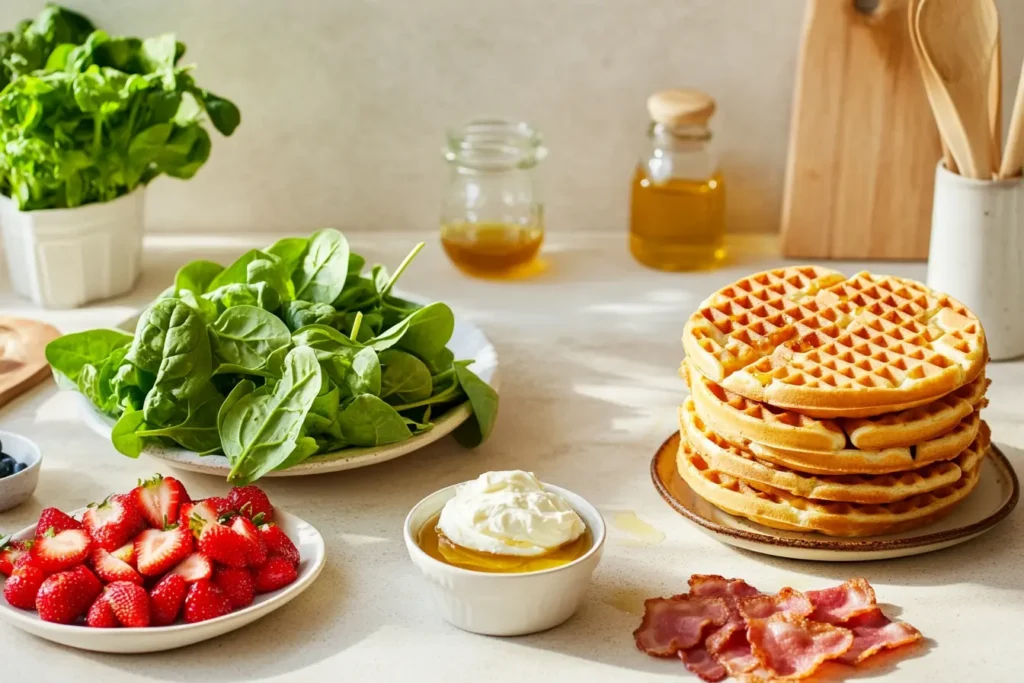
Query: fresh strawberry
(209, 510)
(9, 554)
(250, 501)
(221, 544)
(100, 615)
(129, 603)
(166, 598)
(126, 554)
(195, 567)
(158, 500)
(52, 518)
(111, 569)
(236, 584)
(66, 596)
(276, 573)
(205, 601)
(256, 549)
(54, 552)
(157, 551)
(278, 543)
(113, 522)
(21, 588)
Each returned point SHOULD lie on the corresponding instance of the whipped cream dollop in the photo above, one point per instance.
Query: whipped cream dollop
(509, 513)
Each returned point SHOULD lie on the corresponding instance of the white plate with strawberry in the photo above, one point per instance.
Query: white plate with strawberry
(151, 570)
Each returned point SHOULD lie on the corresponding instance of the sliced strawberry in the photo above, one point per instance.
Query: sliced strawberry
(129, 602)
(166, 599)
(209, 510)
(54, 552)
(9, 554)
(113, 522)
(205, 601)
(256, 549)
(52, 518)
(278, 572)
(195, 567)
(221, 544)
(236, 584)
(278, 543)
(66, 596)
(111, 569)
(251, 501)
(100, 615)
(23, 586)
(158, 500)
(157, 551)
(126, 554)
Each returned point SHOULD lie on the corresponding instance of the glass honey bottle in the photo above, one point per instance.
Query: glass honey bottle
(677, 209)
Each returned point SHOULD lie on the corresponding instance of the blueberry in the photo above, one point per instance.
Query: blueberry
(6, 468)
(19, 467)
(4, 456)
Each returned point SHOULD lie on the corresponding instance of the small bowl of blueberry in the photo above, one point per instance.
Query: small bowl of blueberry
(20, 459)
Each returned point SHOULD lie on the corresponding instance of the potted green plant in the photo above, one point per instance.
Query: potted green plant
(86, 122)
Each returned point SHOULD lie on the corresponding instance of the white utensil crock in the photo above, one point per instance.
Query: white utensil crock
(64, 258)
(976, 254)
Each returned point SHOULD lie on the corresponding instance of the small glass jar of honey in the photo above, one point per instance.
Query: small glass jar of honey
(492, 217)
(677, 210)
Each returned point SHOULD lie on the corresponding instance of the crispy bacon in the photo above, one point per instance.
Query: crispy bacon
(837, 604)
(713, 585)
(792, 646)
(874, 632)
(673, 624)
(787, 601)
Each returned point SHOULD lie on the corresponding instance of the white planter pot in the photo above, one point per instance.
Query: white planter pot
(976, 254)
(64, 258)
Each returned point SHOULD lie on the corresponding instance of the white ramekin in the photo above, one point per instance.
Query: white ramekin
(505, 604)
(17, 488)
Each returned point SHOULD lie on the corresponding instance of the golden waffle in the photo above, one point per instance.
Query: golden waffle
(883, 461)
(728, 412)
(781, 510)
(852, 488)
(812, 340)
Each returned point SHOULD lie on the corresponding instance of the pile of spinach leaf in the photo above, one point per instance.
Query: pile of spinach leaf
(288, 352)
(86, 117)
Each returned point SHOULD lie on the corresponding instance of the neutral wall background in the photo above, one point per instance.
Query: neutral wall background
(344, 102)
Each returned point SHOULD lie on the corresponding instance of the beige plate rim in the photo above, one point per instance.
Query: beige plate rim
(815, 547)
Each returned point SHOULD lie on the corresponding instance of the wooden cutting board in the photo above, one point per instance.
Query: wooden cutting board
(22, 360)
(863, 144)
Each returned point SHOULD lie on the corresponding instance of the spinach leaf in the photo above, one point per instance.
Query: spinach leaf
(425, 333)
(321, 276)
(95, 382)
(124, 435)
(273, 275)
(240, 294)
(238, 272)
(244, 336)
(260, 431)
(404, 377)
(368, 421)
(484, 400)
(197, 276)
(298, 314)
(68, 354)
(289, 250)
(363, 374)
(242, 389)
(195, 429)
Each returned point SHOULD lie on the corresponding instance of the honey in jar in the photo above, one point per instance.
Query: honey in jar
(439, 547)
(677, 212)
(492, 218)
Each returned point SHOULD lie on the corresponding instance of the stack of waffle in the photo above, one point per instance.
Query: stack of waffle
(844, 406)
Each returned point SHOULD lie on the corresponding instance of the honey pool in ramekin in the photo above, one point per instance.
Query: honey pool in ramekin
(505, 604)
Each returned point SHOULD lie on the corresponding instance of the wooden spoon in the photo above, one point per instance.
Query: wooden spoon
(933, 89)
(958, 39)
(1013, 155)
(995, 104)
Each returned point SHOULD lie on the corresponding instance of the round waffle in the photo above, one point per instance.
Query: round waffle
(728, 412)
(852, 488)
(812, 340)
(778, 509)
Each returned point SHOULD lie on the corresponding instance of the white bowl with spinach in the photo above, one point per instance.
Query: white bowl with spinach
(290, 361)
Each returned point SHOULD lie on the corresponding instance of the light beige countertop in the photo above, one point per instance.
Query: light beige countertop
(588, 354)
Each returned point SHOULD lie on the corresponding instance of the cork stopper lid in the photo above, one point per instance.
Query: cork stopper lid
(681, 107)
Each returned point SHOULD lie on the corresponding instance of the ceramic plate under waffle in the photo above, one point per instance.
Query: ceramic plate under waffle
(726, 411)
(995, 497)
(812, 340)
(851, 488)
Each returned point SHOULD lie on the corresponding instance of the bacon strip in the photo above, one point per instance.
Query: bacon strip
(673, 624)
(837, 604)
(701, 662)
(792, 646)
(713, 585)
(787, 601)
(874, 632)
(699, 658)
